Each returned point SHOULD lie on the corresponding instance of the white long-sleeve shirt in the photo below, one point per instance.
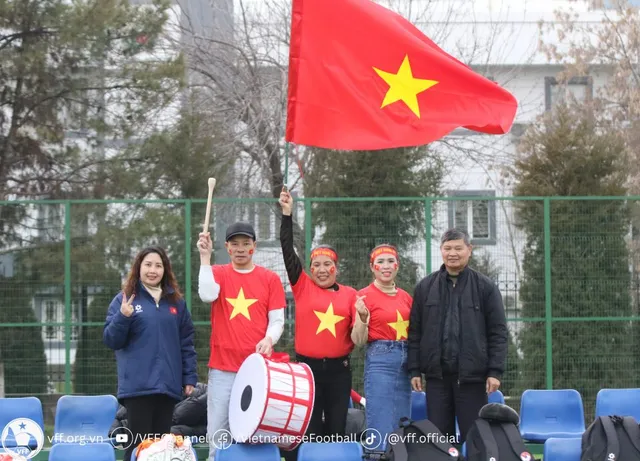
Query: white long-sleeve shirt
(209, 290)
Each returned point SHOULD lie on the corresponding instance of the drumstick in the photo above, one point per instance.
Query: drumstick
(207, 216)
(357, 398)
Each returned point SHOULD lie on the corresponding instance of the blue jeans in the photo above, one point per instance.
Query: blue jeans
(218, 395)
(387, 386)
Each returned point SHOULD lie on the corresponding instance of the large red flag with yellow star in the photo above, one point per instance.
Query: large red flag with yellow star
(363, 77)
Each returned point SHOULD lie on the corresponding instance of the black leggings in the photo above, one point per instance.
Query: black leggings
(148, 416)
(332, 379)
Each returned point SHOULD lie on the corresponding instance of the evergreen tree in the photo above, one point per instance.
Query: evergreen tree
(567, 155)
(95, 365)
(21, 348)
(71, 70)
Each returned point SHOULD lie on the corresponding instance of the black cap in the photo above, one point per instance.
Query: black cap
(240, 228)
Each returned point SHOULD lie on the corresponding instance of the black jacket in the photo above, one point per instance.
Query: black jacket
(483, 327)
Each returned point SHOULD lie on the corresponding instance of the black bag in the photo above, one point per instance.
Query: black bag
(495, 436)
(611, 438)
(419, 441)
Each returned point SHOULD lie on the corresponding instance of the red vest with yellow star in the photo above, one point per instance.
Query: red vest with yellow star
(240, 315)
(389, 314)
(323, 319)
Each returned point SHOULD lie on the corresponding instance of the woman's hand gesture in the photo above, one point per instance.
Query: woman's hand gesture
(126, 308)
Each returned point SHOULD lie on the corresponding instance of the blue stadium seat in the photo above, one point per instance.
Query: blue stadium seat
(562, 449)
(621, 402)
(82, 452)
(418, 405)
(248, 452)
(556, 413)
(496, 397)
(20, 407)
(85, 418)
(316, 451)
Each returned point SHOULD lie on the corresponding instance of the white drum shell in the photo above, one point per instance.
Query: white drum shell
(278, 402)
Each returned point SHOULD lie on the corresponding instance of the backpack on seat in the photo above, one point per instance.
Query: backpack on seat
(169, 448)
(420, 441)
(611, 438)
(495, 436)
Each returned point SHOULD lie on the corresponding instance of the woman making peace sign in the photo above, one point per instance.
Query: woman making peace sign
(150, 328)
(387, 384)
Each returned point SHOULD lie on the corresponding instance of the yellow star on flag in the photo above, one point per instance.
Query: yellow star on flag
(328, 320)
(404, 87)
(401, 326)
(241, 305)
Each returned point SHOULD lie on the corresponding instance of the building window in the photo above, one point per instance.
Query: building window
(580, 88)
(476, 216)
(51, 315)
(54, 311)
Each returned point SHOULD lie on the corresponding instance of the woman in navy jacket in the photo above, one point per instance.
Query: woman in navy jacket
(150, 328)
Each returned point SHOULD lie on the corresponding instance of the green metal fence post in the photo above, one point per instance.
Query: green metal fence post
(307, 230)
(547, 291)
(67, 297)
(427, 225)
(187, 253)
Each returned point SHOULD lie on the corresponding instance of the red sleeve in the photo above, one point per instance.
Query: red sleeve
(277, 299)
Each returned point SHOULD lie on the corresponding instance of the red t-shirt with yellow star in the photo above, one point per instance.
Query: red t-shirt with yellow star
(388, 314)
(240, 315)
(323, 319)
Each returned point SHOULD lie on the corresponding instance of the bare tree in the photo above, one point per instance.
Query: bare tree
(245, 73)
(607, 50)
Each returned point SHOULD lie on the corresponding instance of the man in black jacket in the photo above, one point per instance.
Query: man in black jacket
(457, 338)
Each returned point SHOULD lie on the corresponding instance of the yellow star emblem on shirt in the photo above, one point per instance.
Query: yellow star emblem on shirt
(404, 87)
(401, 326)
(328, 320)
(241, 305)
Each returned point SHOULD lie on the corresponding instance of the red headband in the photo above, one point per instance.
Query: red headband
(382, 250)
(325, 252)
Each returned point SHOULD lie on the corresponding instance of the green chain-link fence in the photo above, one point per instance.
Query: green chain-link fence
(566, 267)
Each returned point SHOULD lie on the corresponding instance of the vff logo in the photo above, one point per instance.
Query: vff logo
(23, 438)
(138, 308)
